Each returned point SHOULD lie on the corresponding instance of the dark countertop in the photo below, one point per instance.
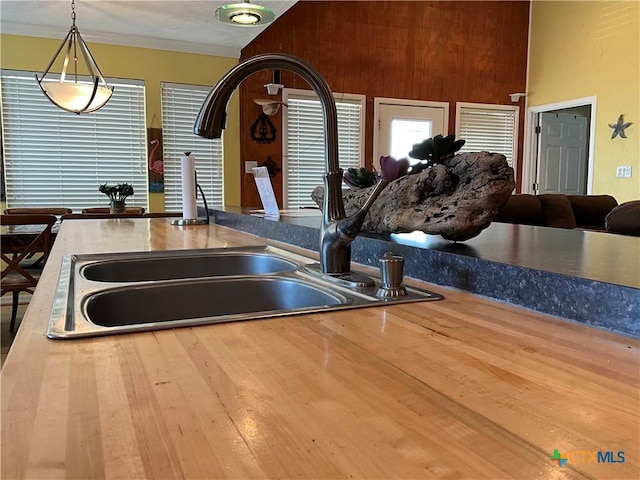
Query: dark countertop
(589, 277)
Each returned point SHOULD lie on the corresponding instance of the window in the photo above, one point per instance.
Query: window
(53, 158)
(180, 107)
(303, 141)
(491, 128)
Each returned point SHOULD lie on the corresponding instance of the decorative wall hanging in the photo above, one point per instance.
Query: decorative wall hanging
(262, 130)
(619, 126)
(271, 166)
(155, 163)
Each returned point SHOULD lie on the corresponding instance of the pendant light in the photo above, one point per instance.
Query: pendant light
(245, 14)
(73, 95)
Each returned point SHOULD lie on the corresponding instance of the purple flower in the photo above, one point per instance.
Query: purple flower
(392, 169)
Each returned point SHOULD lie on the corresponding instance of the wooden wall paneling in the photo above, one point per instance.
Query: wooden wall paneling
(251, 150)
(438, 51)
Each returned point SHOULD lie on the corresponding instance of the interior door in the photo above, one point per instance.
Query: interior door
(563, 154)
(402, 126)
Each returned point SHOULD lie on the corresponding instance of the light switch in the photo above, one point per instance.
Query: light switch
(249, 165)
(623, 171)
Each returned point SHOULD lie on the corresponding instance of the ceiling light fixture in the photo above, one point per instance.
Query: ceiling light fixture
(74, 95)
(245, 14)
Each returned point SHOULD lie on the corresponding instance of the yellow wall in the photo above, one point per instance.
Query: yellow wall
(581, 49)
(152, 66)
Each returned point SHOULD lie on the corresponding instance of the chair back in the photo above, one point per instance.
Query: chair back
(89, 216)
(162, 214)
(18, 246)
(93, 210)
(37, 211)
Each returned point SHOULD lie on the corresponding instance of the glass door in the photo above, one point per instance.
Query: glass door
(401, 126)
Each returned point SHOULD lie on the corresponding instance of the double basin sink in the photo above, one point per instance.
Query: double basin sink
(105, 294)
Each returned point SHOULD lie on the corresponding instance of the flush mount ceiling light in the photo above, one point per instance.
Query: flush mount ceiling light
(75, 95)
(245, 14)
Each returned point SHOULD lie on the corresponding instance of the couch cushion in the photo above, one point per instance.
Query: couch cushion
(556, 210)
(590, 211)
(624, 219)
(523, 208)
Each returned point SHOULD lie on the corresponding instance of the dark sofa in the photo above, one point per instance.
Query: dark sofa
(586, 212)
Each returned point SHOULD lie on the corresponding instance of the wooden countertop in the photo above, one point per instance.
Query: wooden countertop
(462, 388)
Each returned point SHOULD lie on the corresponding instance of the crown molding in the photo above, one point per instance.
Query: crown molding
(30, 30)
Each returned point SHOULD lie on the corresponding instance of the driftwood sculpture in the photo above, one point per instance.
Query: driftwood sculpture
(456, 199)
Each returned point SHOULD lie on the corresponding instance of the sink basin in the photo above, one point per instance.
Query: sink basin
(205, 298)
(162, 267)
(105, 294)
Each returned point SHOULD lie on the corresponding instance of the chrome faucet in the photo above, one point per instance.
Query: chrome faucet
(337, 231)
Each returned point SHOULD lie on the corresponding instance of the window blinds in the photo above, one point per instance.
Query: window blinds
(487, 128)
(180, 107)
(303, 144)
(54, 158)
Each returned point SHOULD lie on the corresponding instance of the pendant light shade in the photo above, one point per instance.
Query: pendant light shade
(245, 14)
(74, 95)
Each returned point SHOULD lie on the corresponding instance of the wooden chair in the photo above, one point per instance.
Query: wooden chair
(93, 210)
(19, 244)
(58, 211)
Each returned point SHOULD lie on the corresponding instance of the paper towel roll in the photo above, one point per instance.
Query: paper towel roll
(188, 165)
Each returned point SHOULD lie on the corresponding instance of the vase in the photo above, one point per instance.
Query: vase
(117, 206)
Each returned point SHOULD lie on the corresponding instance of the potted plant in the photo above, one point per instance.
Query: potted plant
(117, 195)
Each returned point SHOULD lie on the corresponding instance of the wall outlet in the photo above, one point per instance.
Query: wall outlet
(623, 171)
(250, 164)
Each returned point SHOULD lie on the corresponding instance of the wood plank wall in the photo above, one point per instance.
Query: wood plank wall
(438, 51)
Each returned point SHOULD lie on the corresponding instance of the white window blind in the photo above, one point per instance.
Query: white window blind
(491, 128)
(180, 107)
(303, 142)
(54, 158)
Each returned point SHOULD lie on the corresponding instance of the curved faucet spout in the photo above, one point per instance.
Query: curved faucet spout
(335, 250)
(211, 119)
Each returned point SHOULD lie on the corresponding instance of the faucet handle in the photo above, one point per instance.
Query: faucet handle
(391, 267)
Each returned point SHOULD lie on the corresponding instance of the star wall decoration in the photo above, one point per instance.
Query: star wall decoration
(618, 127)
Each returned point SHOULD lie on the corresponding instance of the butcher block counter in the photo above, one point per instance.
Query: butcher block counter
(466, 387)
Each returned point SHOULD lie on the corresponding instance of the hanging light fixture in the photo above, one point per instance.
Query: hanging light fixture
(74, 95)
(245, 14)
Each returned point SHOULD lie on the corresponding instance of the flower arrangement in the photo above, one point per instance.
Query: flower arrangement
(434, 150)
(117, 193)
(393, 168)
(431, 151)
(359, 178)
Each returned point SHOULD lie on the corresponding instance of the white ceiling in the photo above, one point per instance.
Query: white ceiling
(178, 25)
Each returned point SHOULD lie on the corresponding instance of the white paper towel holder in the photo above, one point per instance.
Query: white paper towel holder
(193, 221)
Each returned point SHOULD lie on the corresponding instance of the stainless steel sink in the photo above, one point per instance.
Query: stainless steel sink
(204, 298)
(105, 294)
(186, 264)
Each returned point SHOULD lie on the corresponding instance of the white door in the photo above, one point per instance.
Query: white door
(563, 154)
(401, 126)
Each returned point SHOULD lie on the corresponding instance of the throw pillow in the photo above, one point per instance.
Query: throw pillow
(556, 211)
(624, 219)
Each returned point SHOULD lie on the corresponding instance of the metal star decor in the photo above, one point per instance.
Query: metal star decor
(618, 127)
